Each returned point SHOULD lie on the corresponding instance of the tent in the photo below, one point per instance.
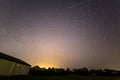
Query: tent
(12, 66)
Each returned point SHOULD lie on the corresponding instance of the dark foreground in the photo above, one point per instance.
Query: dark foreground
(67, 77)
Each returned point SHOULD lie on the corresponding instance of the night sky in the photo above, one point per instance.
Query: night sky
(62, 33)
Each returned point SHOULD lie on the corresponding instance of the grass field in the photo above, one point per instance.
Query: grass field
(68, 77)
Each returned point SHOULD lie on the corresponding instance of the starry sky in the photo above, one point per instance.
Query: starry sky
(62, 33)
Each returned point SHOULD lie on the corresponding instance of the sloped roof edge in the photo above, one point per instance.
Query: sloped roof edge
(7, 57)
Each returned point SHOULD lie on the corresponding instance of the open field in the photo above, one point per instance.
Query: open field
(67, 77)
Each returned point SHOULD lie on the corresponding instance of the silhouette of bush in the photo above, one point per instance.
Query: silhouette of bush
(82, 71)
(35, 70)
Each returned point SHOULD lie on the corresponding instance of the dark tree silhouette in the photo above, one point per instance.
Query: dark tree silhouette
(82, 71)
(36, 70)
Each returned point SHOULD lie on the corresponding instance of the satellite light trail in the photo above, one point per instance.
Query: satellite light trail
(79, 4)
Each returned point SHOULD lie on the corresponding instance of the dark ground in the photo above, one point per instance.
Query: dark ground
(67, 77)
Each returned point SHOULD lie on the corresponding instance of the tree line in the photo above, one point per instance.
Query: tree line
(36, 70)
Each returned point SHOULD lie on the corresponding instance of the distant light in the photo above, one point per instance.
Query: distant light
(18, 65)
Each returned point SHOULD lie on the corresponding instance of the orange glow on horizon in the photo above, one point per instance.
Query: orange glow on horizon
(47, 66)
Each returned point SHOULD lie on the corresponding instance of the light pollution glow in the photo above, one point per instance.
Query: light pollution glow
(62, 33)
